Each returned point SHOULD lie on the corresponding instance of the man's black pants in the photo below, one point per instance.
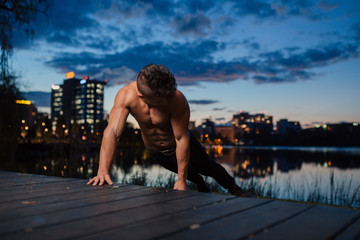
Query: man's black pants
(199, 163)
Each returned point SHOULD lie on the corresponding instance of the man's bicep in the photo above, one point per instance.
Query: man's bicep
(118, 115)
(180, 120)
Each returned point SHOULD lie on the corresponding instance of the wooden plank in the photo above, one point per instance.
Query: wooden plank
(352, 232)
(321, 222)
(173, 222)
(243, 224)
(88, 192)
(18, 181)
(90, 225)
(89, 211)
(38, 207)
(6, 174)
(29, 189)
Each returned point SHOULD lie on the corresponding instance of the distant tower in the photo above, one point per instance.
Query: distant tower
(79, 101)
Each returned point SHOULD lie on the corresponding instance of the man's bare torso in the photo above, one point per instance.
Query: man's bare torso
(154, 121)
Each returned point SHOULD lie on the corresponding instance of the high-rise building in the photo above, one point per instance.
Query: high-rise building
(79, 101)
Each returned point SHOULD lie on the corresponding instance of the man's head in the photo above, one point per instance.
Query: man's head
(156, 81)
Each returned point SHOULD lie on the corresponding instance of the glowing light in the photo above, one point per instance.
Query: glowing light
(355, 124)
(24, 102)
(26, 128)
(83, 81)
(63, 126)
(106, 80)
(43, 124)
(69, 75)
(55, 87)
(83, 138)
(23, 121)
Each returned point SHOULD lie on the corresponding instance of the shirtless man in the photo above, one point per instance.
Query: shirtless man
(162, 113)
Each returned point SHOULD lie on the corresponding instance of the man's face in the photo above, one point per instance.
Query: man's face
(154, 101)
(145, 94)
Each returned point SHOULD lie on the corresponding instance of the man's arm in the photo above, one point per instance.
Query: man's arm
(114, 129)
(179, 118)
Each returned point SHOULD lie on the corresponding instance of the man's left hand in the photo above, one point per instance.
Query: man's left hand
(180, 185)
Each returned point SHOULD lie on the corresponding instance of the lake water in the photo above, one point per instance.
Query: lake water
(315, 174)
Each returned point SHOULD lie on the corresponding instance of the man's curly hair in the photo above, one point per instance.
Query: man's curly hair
(159, 79)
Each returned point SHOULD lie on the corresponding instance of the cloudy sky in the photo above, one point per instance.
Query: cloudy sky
(295, 59)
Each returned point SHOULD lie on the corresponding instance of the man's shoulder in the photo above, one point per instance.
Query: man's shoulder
(178, 102)
(126, 94)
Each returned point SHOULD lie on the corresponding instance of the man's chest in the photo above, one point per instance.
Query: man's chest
(151, 116)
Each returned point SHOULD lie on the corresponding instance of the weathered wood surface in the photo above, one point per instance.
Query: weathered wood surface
(44, 207)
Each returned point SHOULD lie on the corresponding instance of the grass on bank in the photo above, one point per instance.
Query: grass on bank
(340, 193)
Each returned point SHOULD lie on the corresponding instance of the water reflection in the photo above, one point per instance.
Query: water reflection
(281, 172)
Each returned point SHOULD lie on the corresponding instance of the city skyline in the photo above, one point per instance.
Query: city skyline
(294, 60)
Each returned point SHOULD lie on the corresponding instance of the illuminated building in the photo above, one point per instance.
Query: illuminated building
(79, 101)
(207, 127)
(283, 126)
(250, 127)
(28, 112)
(225, 132)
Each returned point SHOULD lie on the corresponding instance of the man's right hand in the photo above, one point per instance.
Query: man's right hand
(100, 179)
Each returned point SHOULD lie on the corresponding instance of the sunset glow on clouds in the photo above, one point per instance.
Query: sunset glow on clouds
(292, 59)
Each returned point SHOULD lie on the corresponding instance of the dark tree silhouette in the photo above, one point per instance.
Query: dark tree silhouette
(13, 14)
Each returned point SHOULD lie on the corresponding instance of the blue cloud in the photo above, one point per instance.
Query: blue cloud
(203, 102)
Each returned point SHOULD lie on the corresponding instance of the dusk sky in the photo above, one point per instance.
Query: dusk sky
(295, 59)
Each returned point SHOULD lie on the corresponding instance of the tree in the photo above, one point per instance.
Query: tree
(15, 13)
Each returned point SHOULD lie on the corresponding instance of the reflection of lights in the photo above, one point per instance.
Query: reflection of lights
(329, 163)
(135, 162)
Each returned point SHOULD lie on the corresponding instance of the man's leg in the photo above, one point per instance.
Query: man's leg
(200, 160)
(170, 163)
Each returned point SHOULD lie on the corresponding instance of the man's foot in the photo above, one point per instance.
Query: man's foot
(239, 192)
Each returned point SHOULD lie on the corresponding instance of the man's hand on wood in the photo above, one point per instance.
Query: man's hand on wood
(180, 185)
(100, 179)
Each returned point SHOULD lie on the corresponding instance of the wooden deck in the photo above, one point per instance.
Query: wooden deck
(43, 207)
